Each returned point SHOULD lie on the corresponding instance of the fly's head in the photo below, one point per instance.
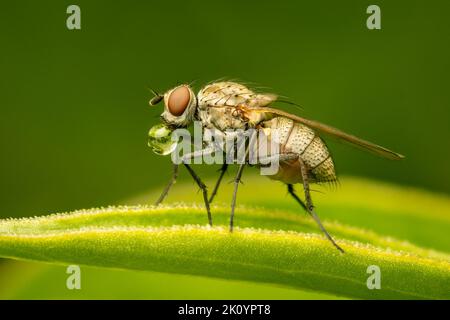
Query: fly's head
(180, 104)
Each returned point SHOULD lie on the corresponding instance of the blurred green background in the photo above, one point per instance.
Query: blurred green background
(75, 114)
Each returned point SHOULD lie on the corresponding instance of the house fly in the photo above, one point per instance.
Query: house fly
(303, 156)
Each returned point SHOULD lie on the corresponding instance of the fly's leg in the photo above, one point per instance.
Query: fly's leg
(237, 180)
(202, 186)
(287, 157)
(296, 197)
(223, 169)
(197, 179)
(309, 205)
(169, 185)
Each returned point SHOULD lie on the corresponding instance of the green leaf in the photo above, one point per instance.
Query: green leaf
(34, 280)
(268, 246)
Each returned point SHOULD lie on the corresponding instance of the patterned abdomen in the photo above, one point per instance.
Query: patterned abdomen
(299, 139)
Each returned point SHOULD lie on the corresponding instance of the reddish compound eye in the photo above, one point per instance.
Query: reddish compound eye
(178, 101)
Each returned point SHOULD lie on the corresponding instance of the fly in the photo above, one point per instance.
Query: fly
(303, 157)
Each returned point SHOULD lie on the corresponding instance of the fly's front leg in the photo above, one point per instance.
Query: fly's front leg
(223, 169)
(169, 185)
(202, 186)
(197, 179)
(310, 206)
(173, 180)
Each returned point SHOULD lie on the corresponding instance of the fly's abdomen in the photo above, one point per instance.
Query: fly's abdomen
(299, 139)
(319, 161)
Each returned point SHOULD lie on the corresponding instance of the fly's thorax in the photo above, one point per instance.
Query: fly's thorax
(221, 118)
(232, 94)
(218, 105)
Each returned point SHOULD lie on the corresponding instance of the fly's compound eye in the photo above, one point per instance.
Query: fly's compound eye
(178, 100)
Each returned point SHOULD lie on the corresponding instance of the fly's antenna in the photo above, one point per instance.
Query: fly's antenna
(218, 80)
(157, 97)
(192, 82)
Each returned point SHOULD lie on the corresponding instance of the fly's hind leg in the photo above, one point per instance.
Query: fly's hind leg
(309, 205)
(169, 185)
(296, 197)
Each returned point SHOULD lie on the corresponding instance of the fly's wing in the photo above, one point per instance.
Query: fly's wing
(323, 128)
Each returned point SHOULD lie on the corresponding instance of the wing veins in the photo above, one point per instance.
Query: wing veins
(336, 133)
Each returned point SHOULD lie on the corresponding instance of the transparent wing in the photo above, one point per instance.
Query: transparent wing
(328, 130)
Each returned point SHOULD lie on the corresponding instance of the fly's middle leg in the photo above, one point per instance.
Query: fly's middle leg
(237, 180)
(222, 170)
